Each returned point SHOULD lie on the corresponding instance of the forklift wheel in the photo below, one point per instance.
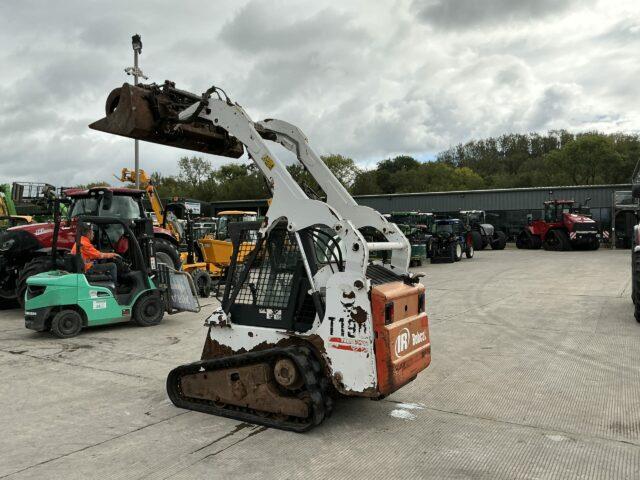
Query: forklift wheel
(148, 311)
(202, 281)
(66, 324)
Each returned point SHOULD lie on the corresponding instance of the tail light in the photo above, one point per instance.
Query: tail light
(34, 291)
(421, 303)
(388, 313)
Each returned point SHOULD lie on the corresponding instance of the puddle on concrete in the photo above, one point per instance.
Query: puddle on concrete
(404, 410)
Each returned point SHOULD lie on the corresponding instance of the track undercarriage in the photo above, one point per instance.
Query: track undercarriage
(283, 388)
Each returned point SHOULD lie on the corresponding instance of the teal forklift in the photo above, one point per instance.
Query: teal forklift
(68, 299)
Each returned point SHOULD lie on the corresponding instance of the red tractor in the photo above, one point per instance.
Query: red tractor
(565, 226)
(26, 250)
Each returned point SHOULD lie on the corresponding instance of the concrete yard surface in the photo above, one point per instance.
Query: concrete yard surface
(535, 374)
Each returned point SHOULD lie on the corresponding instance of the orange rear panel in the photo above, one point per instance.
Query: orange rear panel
(403, 347)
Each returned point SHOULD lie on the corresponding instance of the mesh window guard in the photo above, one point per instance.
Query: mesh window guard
(269, 281)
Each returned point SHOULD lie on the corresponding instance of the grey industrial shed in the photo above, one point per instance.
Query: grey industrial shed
(498, 199)
(507, 208)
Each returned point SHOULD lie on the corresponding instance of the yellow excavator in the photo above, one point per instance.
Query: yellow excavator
(216, 248)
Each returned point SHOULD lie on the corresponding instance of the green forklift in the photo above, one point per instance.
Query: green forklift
(66, 300)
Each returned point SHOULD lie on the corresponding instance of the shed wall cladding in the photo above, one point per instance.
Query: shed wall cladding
(513, 199)
(507, 209)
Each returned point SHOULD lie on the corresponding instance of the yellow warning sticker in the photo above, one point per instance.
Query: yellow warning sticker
(268, 161)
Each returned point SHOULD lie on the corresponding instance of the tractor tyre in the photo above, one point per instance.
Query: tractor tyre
(430, 248)
(476, 239)
(469, 251)
(523, 241)
(202, 281)
(148, 310)
(457, 252)
(552, 242)
(536, 242)
(635, 284)
(167, 253)
(557, 241)
(451, 257)
(33, 267)
(635, 278)
(594, 243)
(66, 324)
(499, 241)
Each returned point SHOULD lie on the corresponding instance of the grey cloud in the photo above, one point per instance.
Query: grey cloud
(361, 80)
(470, 13)
(258, 27)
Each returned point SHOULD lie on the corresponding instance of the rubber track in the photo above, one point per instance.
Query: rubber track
(316, 389)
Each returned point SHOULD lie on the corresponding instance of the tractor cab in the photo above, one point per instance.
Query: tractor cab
(420, 220)
(555, 209)
(82, 295)
(452, 226)
(107, 202)
(473, 217)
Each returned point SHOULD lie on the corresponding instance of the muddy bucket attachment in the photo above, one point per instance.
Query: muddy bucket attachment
(150, 113)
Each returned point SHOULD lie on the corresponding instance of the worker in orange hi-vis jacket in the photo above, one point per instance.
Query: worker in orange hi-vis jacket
(91, 254)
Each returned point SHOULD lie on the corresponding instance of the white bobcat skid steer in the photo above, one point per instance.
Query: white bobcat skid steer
(304, 313)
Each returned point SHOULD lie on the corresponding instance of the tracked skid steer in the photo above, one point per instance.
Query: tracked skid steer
(305, 316)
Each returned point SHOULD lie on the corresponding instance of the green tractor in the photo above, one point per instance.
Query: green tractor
(69, 299)
(480, 233)
(416, 226)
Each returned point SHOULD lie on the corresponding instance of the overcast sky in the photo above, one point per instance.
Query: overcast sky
(362, 78)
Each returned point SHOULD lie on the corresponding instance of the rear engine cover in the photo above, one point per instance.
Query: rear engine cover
(403, 346)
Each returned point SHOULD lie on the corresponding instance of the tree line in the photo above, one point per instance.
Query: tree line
(511, 160)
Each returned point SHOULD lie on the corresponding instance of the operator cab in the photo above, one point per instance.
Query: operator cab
(451, 225)
(231, 216)
(472, 217)
(554, 209)
(133, 268)
(119, 203)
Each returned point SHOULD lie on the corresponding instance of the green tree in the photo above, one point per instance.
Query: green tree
(388, 170)
(342, 167)
(366, 183)
(193, 170)
(588, 160)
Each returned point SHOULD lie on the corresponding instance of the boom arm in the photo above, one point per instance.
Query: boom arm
(156, 205)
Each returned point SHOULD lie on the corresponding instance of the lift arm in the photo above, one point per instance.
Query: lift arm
(292, 138)
(288, 197)
(192, 122)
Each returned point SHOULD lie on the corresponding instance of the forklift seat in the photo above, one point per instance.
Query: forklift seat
(73, 264)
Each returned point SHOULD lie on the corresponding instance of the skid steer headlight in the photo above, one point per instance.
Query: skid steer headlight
(6, 246)
(421, 303)
(388, 313)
